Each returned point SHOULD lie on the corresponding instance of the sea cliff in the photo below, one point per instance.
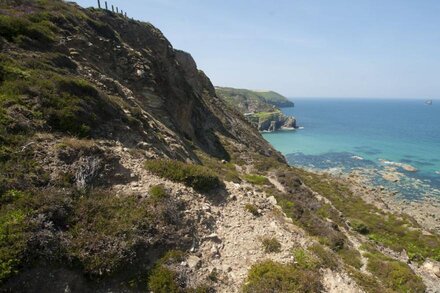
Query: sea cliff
(261, 108)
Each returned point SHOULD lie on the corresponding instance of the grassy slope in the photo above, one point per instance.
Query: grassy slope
(264, 101)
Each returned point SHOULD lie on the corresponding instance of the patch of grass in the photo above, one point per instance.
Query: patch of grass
(304, 259)
(256, 179)
(271, 245)
(173, 257)
(269, 276)
(12, 28)
(394, 274)
(158, 192)
(367, 282)
(162, 280)
(20, 223)
(350, 256)
(225, 170)
(327, 258)
(263, 164)
(251, 208)
(13, 239)
(77, 144)
(359, 226)
(198, 177)
(104, 228)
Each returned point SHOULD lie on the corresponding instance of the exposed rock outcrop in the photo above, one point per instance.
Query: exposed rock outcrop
(261, 108)
(272, 121)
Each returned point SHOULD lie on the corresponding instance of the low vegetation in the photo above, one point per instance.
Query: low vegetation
(223, 169)
(396, 232)
(158, 192)
(163, 279)
(256, 179)
(271, 245)
(251, 208)
(198, 177)
(269, 276)
(303, 259)
(97, 231)
(394, 274)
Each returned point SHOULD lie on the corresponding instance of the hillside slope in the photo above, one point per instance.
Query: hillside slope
(252, 101)
(121, 170)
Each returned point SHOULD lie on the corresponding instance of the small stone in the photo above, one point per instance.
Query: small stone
(272, 200)
(194, 262)
(213, 237)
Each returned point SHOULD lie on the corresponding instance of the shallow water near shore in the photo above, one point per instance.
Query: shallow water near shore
(393, 142)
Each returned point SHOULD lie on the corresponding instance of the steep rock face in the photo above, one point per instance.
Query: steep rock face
(272, 121)
(173, 105)
(166, 83)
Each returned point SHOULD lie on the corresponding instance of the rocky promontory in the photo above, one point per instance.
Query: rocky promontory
(271, 121)
(261, 108)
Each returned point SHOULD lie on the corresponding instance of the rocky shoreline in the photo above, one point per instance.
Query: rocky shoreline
(426, 211)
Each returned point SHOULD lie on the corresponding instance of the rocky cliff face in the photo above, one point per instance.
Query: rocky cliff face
(133, 63)
(274, 122)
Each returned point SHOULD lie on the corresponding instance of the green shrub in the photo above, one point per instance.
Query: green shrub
(13, 27)
(350, 256)
(13, 240)
(264, 164)
(367, 281)
(11, 196)
(304, 259)
(271, 244)
(359, 226)
(251, 208)
(198, 177)
(269, 276)
(256, 179)
(225, 170)
(394, 274)
(104, 228)
(162, 280)
(21, 219)
(172, 257)
(327, 258)
(158, 192)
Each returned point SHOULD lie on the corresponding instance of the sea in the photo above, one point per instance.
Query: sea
(373, 137)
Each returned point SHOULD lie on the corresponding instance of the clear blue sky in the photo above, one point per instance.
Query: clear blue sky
(306, 48)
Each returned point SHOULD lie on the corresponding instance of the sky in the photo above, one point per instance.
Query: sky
(305, 48)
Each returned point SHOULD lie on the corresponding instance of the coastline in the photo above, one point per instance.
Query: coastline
(425, 211)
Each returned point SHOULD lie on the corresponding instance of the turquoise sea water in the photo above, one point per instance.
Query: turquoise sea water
(337, 133)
